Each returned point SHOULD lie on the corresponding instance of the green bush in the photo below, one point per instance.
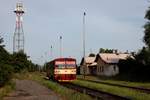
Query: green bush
(5, 73)
(13, 63)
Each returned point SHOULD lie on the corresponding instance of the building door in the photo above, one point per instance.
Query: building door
(92, 70)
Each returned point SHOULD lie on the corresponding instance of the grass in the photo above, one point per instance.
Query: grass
(65, 93)
(6, 89)
(132, 94)
(128, 83)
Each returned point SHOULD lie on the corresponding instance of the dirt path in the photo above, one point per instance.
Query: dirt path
(30, 90)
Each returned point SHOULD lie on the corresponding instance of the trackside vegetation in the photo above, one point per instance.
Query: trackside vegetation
(10, 64)
(121, 91)
(112, 81)
(6, 89)
(13, 63)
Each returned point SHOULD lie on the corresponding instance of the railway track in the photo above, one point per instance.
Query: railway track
(96, 94)
(119, 85)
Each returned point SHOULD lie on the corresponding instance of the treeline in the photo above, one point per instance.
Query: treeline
(102, 50)
(13, 63)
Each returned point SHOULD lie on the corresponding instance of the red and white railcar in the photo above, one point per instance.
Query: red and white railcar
(62, 69)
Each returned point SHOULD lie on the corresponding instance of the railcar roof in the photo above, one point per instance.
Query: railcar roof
(65, 59)
(62, 59)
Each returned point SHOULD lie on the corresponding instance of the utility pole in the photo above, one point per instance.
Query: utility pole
(42, 62)
(84, 65)
(51, 52)
(44, 68)
(60, 46)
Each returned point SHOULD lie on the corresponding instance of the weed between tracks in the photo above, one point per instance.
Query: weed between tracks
(65, 93)
(121, 91)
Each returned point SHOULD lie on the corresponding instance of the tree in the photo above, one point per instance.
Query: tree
(1, 41)
(15, 62)
(139, 68)
(20, 62)
(91, 55)
(5, 68)
(4, 55)
(147, 29)
(101, 50)
(5, 73)
(144, 54)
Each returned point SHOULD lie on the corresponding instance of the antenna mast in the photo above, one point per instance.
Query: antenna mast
(18, 38)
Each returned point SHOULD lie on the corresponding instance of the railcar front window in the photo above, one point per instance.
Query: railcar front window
(60, 66)
(70, 66)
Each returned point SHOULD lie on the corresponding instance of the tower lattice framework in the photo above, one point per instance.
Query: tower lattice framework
(18, 38)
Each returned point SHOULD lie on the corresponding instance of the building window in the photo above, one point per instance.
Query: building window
(114, 67)
(99, 68)
(102, 68)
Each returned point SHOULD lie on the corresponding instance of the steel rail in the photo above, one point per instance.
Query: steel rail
(119, 85)
(96, 94)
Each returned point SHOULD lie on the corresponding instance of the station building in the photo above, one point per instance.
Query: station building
(104, 64)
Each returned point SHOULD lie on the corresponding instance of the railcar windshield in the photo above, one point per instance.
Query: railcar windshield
(70, 66)
(60, 66)
(65, 64)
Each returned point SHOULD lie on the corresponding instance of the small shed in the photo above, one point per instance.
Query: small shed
(88, 66)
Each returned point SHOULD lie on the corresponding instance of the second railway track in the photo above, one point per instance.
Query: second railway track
(97, 94)
(119, 85)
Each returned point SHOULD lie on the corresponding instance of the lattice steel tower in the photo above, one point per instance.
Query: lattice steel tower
(18, 38)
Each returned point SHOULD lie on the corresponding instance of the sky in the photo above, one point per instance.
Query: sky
(114, 24)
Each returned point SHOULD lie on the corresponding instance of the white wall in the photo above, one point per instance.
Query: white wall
(106, 69)
(110, 70)
(82, 70)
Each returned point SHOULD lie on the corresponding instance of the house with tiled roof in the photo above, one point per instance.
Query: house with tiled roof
(107, 63)
(104, 64)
